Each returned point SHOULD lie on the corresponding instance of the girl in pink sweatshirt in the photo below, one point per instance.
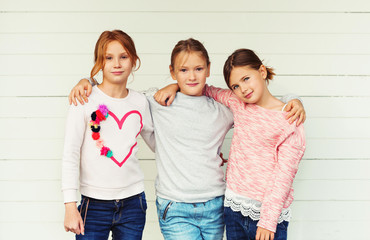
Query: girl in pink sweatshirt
(265, 152)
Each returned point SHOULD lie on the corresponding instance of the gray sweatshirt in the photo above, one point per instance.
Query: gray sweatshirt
(189, 135)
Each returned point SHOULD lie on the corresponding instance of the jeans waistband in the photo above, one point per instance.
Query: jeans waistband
(113, 200)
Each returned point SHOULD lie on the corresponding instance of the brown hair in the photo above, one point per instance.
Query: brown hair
(101, 47)
(244, 57)
(188, 45)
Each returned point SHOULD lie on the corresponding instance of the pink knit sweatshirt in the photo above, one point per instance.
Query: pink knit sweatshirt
(264, 155)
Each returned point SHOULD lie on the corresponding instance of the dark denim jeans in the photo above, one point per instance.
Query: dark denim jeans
(239, 227)
(124, 217)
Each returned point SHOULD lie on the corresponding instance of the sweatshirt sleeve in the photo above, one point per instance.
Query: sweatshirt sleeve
(289, 153)
(147, 132)
(149, 92)
(74, 136)
(288, 97)
(220, 95)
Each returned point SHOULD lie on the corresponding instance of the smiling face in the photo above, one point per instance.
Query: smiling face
(117, 64)
(248, 84)
(190, 72)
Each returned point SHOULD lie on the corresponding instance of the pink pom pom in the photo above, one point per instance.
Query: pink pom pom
(103, 109)
(104, 151)
(99, 116)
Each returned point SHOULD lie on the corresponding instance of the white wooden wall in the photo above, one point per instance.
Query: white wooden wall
(320, 50)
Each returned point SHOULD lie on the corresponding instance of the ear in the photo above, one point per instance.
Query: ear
(208, 69)
(172, 71)
(263, 71)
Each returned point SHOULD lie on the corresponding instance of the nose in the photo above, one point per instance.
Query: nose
(192, 76)
(243, 87)
(117, 63)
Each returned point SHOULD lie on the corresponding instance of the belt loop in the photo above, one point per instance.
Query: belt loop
(82, 204)
(87, 206)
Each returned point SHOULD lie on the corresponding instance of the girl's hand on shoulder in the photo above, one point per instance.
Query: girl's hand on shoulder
(72, 219)
(166, 95)
(264, 234)
(296, 111)
(81, 91)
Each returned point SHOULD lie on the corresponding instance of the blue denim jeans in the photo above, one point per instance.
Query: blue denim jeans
(124, 217)
(239, 227)
(191, 221)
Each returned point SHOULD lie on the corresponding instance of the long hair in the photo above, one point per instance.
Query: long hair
(244, 57)
(101, 47)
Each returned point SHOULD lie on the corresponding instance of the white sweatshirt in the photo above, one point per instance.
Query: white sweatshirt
(96, 175)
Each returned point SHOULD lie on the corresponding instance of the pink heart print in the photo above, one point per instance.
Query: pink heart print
(120, 124)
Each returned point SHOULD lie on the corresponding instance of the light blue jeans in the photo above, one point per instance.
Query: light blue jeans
(191, 221)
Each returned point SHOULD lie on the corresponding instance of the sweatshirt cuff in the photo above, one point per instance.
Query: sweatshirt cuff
(269, 225)
(70, 196)
(91, 81)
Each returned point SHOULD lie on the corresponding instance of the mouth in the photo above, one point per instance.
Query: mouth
(117, 72)
(192, 84)
(249, 95)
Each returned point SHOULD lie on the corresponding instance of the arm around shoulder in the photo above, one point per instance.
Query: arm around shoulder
(81, 91)
(294, 107)
(224, 96)
(166, 95)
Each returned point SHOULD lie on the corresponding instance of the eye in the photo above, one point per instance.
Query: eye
(108, 58)
(199, 69)
(246, 79)
(124, 57)
(235, 87)
(182, 70)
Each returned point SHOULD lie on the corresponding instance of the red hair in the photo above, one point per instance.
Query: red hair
(101, 47)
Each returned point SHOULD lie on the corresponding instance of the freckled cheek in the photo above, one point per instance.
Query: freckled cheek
(126, 64)
(183, 78)
(180, 81)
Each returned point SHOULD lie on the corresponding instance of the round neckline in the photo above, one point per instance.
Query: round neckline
(269, 110)
(189, 96)
(112, 98)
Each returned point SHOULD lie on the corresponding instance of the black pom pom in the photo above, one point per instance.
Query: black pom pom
(95, 129)
(93, 116)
